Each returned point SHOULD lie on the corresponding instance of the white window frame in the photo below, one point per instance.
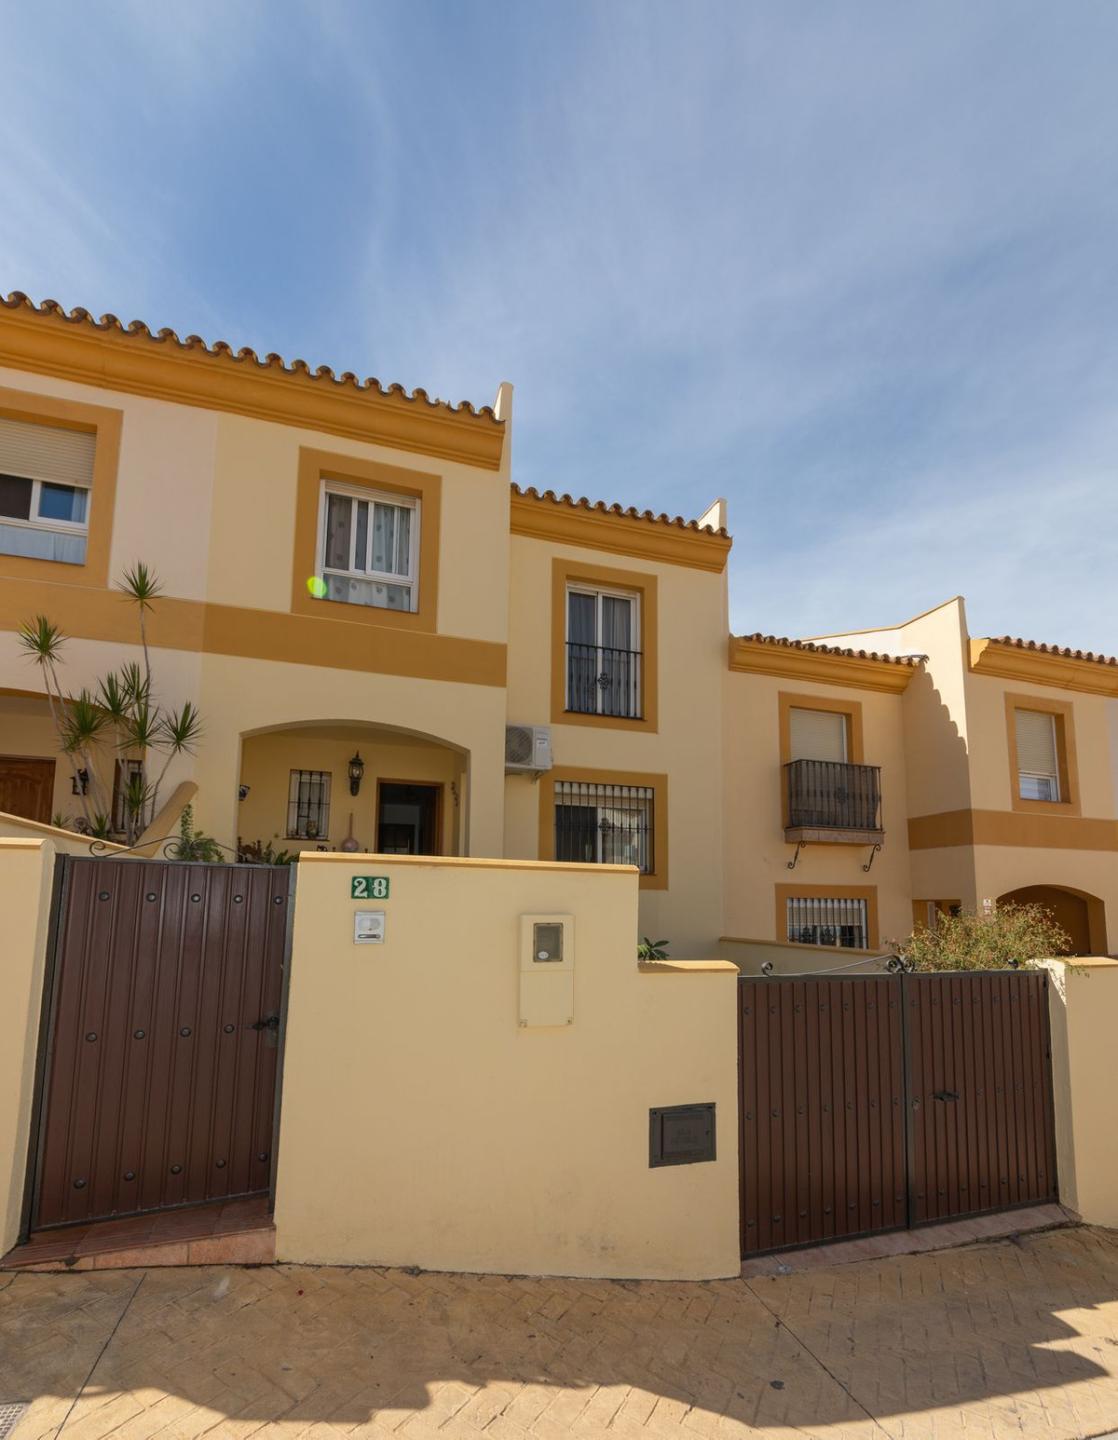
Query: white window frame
(409, 582)
(37, 522)
(1056, 797)
(597, 593)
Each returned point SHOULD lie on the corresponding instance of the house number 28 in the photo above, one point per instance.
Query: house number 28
(368, 887)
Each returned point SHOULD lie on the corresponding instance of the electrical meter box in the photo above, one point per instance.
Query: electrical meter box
(547, 970)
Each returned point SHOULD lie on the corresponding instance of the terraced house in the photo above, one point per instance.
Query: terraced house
(395, 648)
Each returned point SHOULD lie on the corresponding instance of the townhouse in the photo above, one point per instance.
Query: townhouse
(395, 649)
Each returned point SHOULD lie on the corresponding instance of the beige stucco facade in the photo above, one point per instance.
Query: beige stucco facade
(26, 869)
(211, 470)
(461, 1138)
(1083, 1007)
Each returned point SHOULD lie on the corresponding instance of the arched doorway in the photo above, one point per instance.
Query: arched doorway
(1079, 915)
(345, 784)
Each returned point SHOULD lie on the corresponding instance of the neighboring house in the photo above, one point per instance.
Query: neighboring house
(389, 640)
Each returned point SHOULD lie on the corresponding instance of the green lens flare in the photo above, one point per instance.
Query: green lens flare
(316, 586)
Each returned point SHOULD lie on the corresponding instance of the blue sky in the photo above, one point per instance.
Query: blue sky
(854, 266)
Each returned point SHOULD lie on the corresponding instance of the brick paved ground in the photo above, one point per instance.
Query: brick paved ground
(1009, 1339)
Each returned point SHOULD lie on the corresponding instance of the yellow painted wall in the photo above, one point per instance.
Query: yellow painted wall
(242, 696)
(27, 731)
(934, 704)
(26, 867)
(957, 759)
(1083, 1006)
(253, 527)
(791, 959)
(992, 785)
(757, 854)
(453, 1138)
(67, 842)
(691, 647)
(164, 482)
(267, 760)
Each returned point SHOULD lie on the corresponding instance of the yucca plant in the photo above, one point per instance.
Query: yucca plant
(120, 715)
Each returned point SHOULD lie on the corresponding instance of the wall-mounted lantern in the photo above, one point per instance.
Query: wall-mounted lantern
(242, 791)
(356, 773)
(79, 783)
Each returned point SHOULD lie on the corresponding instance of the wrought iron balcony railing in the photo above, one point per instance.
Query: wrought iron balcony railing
(603, 681)
(825, 795)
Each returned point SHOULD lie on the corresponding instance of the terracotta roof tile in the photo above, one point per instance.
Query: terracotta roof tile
(1061, 650)
(245, 356)
(758, 639)
(630, 513)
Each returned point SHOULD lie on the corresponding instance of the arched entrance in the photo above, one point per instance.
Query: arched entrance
(1079, 915)
(330, 785)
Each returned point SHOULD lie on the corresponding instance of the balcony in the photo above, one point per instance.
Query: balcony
(829, 802)
(603, 681)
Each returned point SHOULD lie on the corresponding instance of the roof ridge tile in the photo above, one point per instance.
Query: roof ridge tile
(783, 640)
(629, 512)
(245, 355)
(1061, 650)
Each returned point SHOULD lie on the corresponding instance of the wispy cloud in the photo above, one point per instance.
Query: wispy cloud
(851, 266)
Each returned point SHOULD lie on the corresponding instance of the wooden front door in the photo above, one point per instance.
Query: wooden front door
(408, 817)
(26, 787)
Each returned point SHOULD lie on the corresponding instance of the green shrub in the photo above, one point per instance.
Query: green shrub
(1008, 936)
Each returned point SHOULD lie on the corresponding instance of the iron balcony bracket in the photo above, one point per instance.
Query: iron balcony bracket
(800, 844)
(866, 867)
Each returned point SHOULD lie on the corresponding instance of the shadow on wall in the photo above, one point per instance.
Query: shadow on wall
(1079, 914)
(945, 1332)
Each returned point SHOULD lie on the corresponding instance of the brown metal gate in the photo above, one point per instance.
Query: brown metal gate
(162, 1031)
(980, 1093)
(879, 1102)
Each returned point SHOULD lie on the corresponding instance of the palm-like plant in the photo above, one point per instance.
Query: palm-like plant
(121, 712)
(43, 641)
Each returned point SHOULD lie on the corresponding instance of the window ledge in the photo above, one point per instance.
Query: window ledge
(687, 967)
(831, 835)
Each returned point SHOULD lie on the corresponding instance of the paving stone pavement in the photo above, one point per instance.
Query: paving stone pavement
(1016, 1338)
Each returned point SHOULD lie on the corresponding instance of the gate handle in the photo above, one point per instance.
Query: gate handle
(269, 1022)
(946, 1095)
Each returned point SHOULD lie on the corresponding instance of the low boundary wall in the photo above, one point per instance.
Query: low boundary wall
(424, 1124)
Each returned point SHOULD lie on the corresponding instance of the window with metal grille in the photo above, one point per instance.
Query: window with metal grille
(1038, 768)
(605, 824)
(603, 655)
(308, 805)
(45, 476)
(842, 923)
(127, 793)
(369, 548)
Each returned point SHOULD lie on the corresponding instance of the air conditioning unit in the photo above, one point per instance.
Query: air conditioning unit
(527, 749)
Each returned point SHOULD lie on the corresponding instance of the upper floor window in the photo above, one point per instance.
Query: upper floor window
(369, 547)
(45, 476)
(1038, 755)
(818, 735)
(603, 652)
